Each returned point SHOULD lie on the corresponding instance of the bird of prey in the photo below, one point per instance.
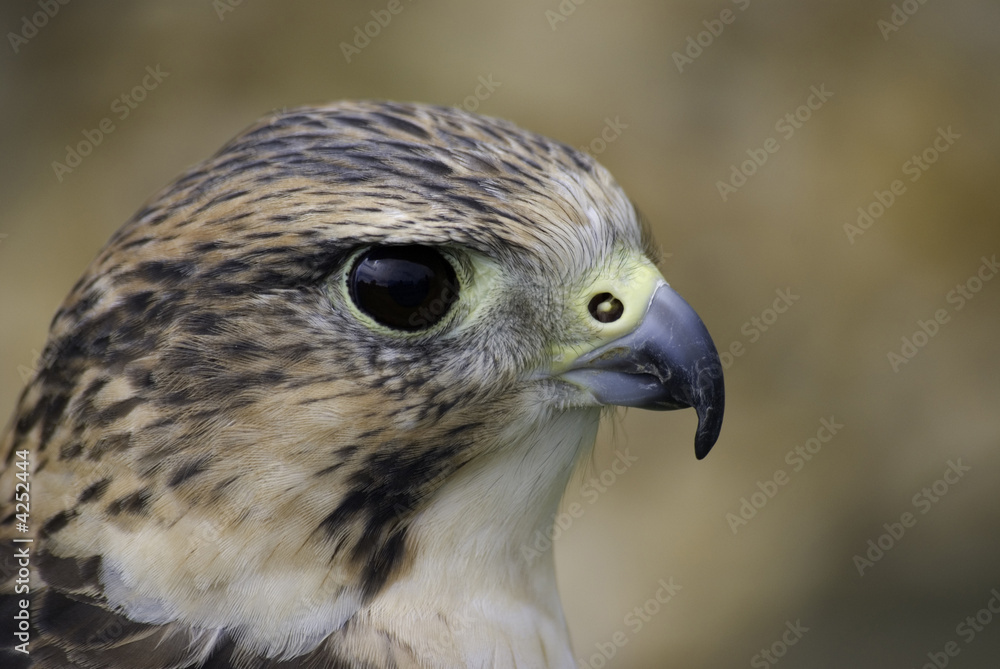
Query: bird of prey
(308, 405)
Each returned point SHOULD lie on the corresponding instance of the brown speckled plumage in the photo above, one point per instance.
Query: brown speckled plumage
(221, 446)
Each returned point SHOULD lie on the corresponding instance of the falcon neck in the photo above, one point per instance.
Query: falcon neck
(473, 562)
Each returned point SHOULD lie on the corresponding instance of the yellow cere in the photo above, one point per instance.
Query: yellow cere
(633, 285)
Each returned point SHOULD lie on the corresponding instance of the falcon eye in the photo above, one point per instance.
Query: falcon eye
(403, 287)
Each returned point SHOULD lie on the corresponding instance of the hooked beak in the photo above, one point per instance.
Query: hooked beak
(667, 362)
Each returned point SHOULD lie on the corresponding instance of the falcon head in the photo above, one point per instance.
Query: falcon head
(308, 405)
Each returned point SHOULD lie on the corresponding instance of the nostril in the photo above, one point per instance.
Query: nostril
(606, 308)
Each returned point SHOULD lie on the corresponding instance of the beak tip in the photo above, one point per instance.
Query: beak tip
(702, 445)
(709, 427)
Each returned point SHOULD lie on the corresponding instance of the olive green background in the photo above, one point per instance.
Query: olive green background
(611, 63)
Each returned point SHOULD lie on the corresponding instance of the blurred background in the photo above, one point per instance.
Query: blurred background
(861, 345)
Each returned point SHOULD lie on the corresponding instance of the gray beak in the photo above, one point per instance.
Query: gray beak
(668, 362)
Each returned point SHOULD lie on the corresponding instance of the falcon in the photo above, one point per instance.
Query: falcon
(308, 405)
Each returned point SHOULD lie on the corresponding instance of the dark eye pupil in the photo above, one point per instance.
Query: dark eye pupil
(403, 287)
